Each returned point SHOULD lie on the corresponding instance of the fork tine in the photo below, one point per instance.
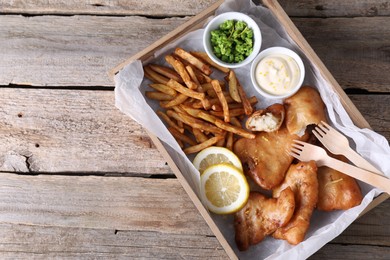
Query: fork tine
(296, 146)
(320, 127)
(323, 123)
(325, 126)
(295, 150)
(294, 155)
(299, 142)
(317, 134)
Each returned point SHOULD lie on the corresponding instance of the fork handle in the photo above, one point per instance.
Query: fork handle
(375, 180)
(359, 161)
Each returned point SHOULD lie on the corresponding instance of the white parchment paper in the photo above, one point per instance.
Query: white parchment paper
(130, 87)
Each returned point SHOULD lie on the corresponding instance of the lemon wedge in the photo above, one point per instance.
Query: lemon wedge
(215, 155)
(224, 188)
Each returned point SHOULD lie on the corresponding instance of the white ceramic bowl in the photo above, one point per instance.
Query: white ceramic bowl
(214, 24)
(278, 50)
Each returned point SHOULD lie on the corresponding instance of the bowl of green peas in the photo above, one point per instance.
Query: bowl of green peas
(232, 39)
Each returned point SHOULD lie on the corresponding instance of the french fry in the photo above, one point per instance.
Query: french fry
(203, 67)
(179, 109)
(203, 56)
(207, 86)
(213, 94)
(163, 88)
(167, 72)
(199, 114)
(194, 122)
(180, 124)
(229, 141)
(232, 112)
(199, 75)
(237, 129)
(204, 145)
(191, 72)
(222, 99)
(216, 107)
(245, 101)
(157, 95)
(169, 121)
(199, 136)
(154, 76)
(234, 129)
(221, 142)
(181, 137)
(180, 98)
(179, 68)
(235, 105)
(214, 101)
(233, 89)
(186, 91)
(180, 143)
(234, 121)
(205, 102)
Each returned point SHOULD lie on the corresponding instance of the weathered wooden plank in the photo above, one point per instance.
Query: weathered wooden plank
(336, 8)
(370, 229)
(113, 203)
(318, 8)
(60, 130)
(358, 57)
(70, 51)
(106, 7)
(26, 241)
(337, 252)
(85, 216)
(54, 130)
(374, 107)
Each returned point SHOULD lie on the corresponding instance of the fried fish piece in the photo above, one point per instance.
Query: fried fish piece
(302, 179)
(267, 120)
(336, 190)
(261, 216)
(304, 108)
(265, 158)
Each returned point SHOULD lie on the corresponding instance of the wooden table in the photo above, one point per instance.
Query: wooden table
(81, 180)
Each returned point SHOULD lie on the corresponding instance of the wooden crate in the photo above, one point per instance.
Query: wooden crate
(197, 22)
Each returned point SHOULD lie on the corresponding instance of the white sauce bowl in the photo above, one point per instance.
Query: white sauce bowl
(277, 51)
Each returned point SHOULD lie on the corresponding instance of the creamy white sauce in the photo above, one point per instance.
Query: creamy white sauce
(277, 74)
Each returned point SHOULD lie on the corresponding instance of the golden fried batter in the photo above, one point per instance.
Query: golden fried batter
(261, 216)
(336, 190)
(265, 158)
(304, 108)
(302, 179)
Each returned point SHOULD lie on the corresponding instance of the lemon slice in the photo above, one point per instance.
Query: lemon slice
(215, 155)
(224, 188)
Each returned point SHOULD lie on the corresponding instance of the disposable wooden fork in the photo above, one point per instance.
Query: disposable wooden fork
(306, 152)
(337, 143)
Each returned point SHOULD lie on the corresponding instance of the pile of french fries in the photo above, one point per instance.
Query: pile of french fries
(198, 109)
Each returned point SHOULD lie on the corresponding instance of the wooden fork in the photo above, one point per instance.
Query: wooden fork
(337, 143)
(307, 152)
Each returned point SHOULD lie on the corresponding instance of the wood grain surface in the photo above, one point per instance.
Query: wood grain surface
(78, 179)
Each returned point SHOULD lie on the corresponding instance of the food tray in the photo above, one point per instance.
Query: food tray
(296, 38)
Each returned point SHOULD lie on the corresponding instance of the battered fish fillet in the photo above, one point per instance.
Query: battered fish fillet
(261, 216)
(302, 179)
(337, 191)
(304, 108)
(265, 158)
